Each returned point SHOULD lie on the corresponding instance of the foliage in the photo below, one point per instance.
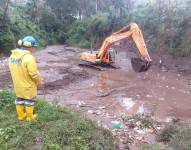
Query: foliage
(173, 137)
(22, 27)
(39, 22)
(56, 128)
(154, 147)
(139, 120)
(76, 34)
(166, 134)
(92, 30)
(181, 140)
(177, 136)
(7, 39)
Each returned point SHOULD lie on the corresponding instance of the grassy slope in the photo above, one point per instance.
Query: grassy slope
(56, 128)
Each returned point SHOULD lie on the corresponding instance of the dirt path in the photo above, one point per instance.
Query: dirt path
(107, 95)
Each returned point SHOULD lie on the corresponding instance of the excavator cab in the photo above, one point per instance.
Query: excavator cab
(112, 55)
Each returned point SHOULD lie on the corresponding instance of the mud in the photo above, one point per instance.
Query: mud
(164, 91)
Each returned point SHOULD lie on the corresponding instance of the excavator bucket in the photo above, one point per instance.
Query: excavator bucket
(139, 65)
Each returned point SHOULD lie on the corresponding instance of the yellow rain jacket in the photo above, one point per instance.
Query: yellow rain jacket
(25, 75)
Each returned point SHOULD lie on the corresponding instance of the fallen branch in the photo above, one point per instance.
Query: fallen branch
(105, 94)
(70, 50)
(51, 53)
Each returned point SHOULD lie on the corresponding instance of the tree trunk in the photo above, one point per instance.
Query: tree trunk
(96, 6)
(5, 9)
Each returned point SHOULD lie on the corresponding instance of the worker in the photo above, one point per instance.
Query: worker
(26, 78)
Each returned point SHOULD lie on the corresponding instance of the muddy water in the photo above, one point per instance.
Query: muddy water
(163, 93)
(158, 92)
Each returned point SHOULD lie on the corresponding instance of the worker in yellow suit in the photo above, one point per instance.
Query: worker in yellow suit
(26, 78)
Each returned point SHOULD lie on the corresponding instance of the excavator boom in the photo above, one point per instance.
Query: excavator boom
(131, 30)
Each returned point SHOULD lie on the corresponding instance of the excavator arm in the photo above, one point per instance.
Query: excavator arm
(131, 30)
(123, 34)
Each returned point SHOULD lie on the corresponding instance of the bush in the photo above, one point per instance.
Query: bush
(7, 41)
(166, 134)
(47, 29)
(92, 30)
(76, 34)
(176, 136)
(7, 98)
(22, 27)
(181, 140)
(180, 44)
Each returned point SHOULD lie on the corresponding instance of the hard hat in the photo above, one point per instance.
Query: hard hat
(28, 41)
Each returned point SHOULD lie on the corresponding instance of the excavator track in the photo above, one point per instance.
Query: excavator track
(97, 66)
(91, 66)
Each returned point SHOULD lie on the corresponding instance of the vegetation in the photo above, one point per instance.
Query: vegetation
(154, 147)
(56, 128)
(172, 137)
(139, 120)
(85, 23)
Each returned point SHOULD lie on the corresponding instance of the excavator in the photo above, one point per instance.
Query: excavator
(103, 56)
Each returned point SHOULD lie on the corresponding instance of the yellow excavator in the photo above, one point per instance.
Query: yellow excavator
(103, 56)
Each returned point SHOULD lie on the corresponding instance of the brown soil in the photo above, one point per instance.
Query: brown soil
(164, 91)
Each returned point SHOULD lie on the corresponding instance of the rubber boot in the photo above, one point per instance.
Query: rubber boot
(20, 112)
(29, 112)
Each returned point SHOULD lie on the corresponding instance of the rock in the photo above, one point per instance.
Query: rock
(149, 96)
(139, 138)
(107, 115)
(151, 131)
(161, 99)
(90, 111)
(122, 114)
(168, 119)
(140, 131)
(138, 123)
(102, 107)
(97, 112)
(81, 103)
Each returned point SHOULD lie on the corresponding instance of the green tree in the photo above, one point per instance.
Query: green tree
(7, 40)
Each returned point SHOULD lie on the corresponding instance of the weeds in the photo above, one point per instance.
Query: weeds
(181, 140)
(139, 120)
(177, 136)
(56, 128)
(154, 147)
(166, 134)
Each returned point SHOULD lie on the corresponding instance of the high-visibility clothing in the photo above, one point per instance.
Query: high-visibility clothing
(25, 75)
